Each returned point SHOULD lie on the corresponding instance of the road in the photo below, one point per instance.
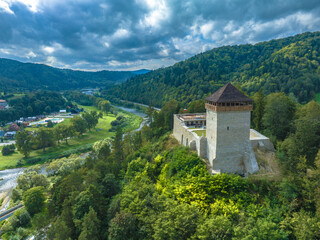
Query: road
(10, 212)
(7, 143)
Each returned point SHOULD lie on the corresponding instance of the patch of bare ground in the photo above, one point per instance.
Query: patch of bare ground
(268, 165)
(171, 142)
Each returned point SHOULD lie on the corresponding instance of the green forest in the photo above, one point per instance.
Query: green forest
(31, 104)
(289, 65)
(146, 186)
(18, 76)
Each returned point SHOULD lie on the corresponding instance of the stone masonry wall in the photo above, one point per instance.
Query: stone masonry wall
(229, 147)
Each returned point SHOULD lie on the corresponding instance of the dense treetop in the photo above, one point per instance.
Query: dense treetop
(17, 75)
(31, 104)
(289, 65)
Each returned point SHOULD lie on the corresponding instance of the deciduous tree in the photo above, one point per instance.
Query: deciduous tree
(34, 199)
(24, 142)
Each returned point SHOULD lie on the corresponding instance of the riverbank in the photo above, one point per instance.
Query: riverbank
(137, 121)
(75, 145)
(9, 181)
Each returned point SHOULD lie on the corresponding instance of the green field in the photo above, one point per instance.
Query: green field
(200, 132)
(87, 138)
(317, 98)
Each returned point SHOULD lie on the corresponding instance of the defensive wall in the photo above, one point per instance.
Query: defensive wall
(187, 137)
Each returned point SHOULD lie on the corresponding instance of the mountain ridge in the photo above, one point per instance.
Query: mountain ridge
(289, 65)
(30, 76)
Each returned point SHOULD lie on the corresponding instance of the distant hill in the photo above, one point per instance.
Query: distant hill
(30, 76)
(290, 65)
(141, 71)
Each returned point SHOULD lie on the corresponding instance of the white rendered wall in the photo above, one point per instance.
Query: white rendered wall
(229, 147)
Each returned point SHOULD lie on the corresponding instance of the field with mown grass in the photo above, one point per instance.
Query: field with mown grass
(101, 131)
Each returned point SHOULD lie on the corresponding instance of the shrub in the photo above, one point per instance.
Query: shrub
(7, 150)
(33, 160)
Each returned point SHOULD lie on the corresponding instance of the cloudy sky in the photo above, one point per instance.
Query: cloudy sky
(135, 34)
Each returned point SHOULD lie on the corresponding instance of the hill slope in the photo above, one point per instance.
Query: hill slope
(290, 65)
(30, 76)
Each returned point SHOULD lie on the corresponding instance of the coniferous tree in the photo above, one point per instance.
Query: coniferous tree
(90, 226)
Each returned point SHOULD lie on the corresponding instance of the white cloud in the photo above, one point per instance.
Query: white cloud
(48, 50)
(5, 51)
(51, 60)
(206, 29)
(31, 55)
(132, 34)
(4, 7)
(158, 12)
(33, 5)
(121, 33)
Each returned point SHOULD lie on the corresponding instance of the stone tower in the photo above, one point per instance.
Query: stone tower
(228, 131)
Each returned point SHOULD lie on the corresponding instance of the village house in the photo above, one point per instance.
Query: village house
(3, 104)
(10, 135)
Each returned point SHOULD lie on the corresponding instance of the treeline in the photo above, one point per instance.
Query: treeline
(80, 98)
(293, 128)
(47, 137)
(16, 76)
(88, 100)
(31, 104)
(289, 65)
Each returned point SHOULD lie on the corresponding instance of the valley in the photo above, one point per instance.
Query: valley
(243, 163)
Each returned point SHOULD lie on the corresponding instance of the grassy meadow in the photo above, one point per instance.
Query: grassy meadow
(101, 131)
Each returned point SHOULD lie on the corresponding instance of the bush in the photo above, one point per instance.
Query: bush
(115, 123)
(12, 147)
(7, 150)
(33, 160)
(19, 163)
(23, 218)
(119, 118)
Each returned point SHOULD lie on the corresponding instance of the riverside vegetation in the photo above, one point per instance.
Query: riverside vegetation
(76, 135)
(147, 186)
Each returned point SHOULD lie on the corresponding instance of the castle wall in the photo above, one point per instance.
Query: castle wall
(181, 132)
(260, 141)
(229, 147)
(188, 138)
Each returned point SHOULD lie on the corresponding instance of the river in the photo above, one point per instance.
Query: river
(136, 112)
(10, 176)
(9, 181)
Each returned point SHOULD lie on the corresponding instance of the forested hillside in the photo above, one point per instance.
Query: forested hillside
(148, 187)
(289, 65)
(31, 104)
(28, 76)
